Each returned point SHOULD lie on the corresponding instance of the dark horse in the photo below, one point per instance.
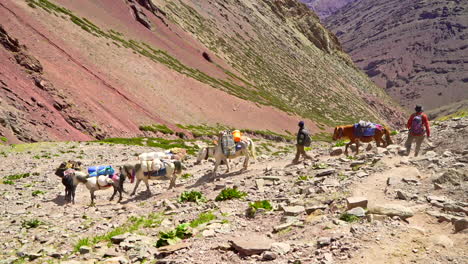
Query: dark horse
(67, 180)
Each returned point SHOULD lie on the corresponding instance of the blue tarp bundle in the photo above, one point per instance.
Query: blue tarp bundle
(364, 131)
(95, 171)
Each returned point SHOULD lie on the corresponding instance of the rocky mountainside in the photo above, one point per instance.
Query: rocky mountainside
(416, 50)
(95, 69)
(377, 207)
(325, 8)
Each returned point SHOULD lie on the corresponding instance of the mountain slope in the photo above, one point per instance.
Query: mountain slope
(325, 8)
(416, 50)
(109, 67)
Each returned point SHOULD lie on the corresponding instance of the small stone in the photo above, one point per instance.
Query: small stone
(281, 227)
(268, 255)
(392, 181)
(353, 202)
(357, 211)
(208, 233)
(293, 210)
(280, 248)
(85, 250)
(260, 185)
(324, 172)
(402, 195)
(323, 241)
(119, 238)
(392, 210)
(336, 151)
(328, 257)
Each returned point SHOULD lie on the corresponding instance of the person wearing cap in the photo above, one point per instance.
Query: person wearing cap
(418, 125)
(303, 140)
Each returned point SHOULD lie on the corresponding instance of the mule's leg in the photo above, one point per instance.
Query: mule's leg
(73, 192)
(173, 181)
(136, 186)
(216, 168)
(227, 165)
(357, 147)
(92, 197)
(113, 194)
(147, 186)
(346, 147)
(246, 161)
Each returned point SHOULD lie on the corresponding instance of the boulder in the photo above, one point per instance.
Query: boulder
(353, 202)
(251, 244)
(460, 224)
(392, 210)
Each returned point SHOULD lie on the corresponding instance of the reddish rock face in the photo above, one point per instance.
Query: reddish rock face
(416, 50)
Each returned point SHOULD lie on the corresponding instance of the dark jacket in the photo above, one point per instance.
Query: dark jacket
(301, 135)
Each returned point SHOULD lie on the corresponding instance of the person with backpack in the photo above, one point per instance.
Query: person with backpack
(303, 140)
(418, 125)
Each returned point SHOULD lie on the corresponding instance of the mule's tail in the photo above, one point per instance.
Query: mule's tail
(252, 149)
(387, 136)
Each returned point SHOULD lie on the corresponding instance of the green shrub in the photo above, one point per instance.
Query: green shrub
(185, 176)
(37, 192)
(17, 176)
(202, 218)
(33, 223)
(253, 207)
(9, 182)
(81, 243)
(173, 236)
(192, 196)
(394, 132)
(230, 193)
(349, 218)
(3, 139)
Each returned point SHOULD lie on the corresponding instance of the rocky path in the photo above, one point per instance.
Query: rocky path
(377, 207)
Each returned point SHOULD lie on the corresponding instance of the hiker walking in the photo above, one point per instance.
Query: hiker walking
(418, 125)
(303, 140)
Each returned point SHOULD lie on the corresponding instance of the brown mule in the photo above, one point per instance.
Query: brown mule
(348, 132)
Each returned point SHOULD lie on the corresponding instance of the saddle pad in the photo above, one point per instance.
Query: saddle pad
(158, 173)
(367, 131)
(100, 170)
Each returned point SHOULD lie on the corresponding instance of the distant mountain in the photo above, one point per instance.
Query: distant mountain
(417, 50)
(324, 8)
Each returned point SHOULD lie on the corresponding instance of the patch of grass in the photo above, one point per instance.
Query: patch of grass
(192, 196)
(202, 218)
(342, 176)
(230, 193)
(304, 177)
(253, 207)
(317, 166)
(351, 157)
(133, 224)
(3, 139)
(267, 134)
(394, 132)
(8, 182)
(356, 167)
(33, 223)
(172, 237)
(341, 143)
(349, 218)
(186, 176)
(10, 179)
(153, 142)
(37, 192)
(82, 243)
(204, 130)
(157, 128)
(460, 114)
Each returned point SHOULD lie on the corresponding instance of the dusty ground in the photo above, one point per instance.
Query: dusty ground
(312, 234)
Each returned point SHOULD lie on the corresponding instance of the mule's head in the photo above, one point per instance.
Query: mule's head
(128, 171)
(338, 133)
(62, 167)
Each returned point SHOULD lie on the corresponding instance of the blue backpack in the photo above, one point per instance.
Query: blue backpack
(417, 127)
